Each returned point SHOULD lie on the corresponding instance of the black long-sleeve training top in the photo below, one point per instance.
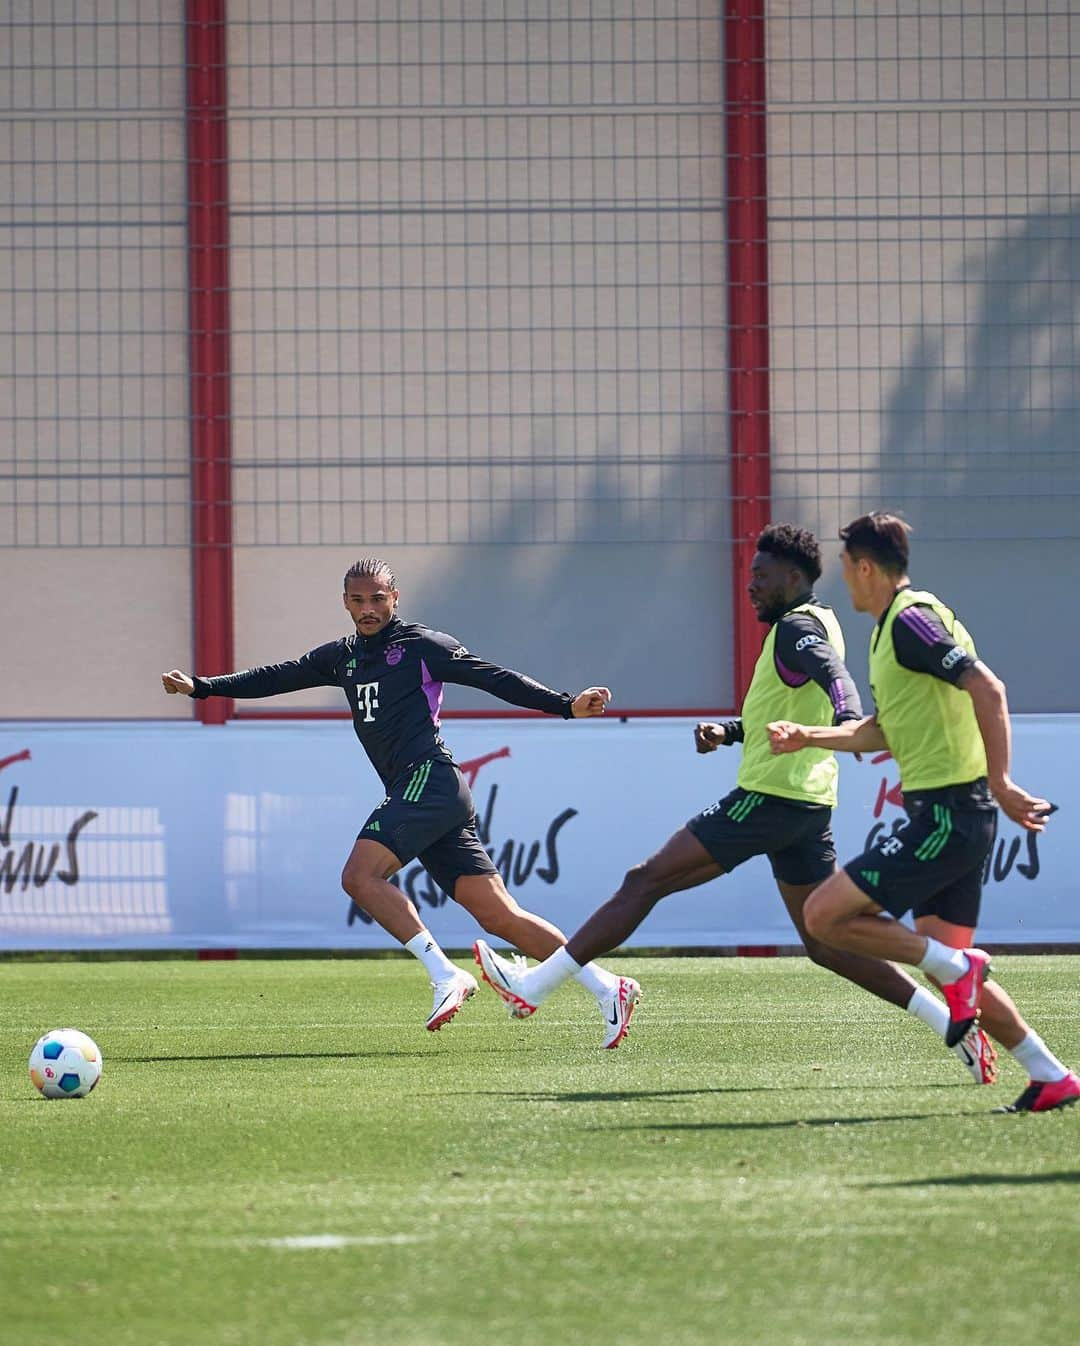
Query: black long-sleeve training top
(393, 682)
(922, 644)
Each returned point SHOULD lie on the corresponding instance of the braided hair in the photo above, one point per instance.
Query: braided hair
(370, 568)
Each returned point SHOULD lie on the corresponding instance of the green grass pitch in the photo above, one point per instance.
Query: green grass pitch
(771, 1159)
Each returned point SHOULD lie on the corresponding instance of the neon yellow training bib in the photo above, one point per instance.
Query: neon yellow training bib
(809, 775)
(929, 724)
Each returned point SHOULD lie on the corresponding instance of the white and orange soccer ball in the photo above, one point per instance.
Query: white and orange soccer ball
(65, 1064)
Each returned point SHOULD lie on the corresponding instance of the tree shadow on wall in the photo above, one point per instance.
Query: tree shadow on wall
(585, 563)
(979, 435)
(608, 498)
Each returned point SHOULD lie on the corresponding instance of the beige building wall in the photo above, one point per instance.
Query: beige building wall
(94, 567)
(480, 327)
(88, 631)
(925, 279)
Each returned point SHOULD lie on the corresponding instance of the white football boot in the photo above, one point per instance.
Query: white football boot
(450, 994)
(617, 1009)
(977, 1053)
(505, 979)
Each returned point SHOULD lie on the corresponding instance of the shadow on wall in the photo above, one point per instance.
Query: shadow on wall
(979, 436)
(574, 562)
(978, 452)
(555, 498)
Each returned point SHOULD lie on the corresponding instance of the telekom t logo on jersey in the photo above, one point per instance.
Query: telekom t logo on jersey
(367, 699)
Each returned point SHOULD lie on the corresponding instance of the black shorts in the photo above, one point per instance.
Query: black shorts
(796, 837)
(932, 862)
(428, 815)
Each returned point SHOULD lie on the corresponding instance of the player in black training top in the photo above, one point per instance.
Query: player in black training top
(392, 673)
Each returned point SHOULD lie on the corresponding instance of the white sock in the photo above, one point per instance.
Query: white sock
(942, 963)
(594, 978)
(1037, 1059)
(422, 946)
(927, 1007)
(542, 979)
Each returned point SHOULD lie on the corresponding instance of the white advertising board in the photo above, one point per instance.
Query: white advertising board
(183, 836)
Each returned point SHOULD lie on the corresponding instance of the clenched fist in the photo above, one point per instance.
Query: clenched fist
(592, 701)
(177, 682)
(784, 736)
(709, 737)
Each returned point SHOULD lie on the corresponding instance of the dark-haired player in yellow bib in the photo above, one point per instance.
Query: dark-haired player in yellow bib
(944, 717)
(781, 806)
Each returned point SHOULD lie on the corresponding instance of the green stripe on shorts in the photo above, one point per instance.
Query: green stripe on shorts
(934, 844)
(415, 787)
(742, 808)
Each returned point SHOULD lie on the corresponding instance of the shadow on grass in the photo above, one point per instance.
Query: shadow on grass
(984, 1180)
(266, 1056)
(794, 1124)
(641, 1095)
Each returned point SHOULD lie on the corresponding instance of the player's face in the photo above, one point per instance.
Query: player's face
(773, 585)
(856, 577)
(370, 603)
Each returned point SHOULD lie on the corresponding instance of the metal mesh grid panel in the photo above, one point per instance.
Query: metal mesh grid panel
(925, 266)
(93, 359)
(477, 270)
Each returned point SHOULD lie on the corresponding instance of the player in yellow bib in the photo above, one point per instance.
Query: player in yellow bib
(781, 807)
(944, 717)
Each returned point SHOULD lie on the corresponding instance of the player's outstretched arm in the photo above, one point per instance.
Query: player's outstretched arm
(991, 706)
(176, 681)
(851, 736)
(448, 660)
(314, 669)
(592, 701)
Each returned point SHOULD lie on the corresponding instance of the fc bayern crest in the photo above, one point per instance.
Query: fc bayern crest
(395, 654)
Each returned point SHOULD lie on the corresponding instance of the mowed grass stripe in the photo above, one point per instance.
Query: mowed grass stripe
(771, 1158)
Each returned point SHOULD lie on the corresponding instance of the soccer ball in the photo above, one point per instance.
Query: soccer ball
(65, 1064)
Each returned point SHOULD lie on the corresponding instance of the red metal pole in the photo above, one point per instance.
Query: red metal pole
(208, 309)
(748, 308)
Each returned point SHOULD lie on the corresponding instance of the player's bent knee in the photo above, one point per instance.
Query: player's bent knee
(820, 919)
(352, 884)
(817, 925)
(355, 881)
(640, 882)
(631, 882)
